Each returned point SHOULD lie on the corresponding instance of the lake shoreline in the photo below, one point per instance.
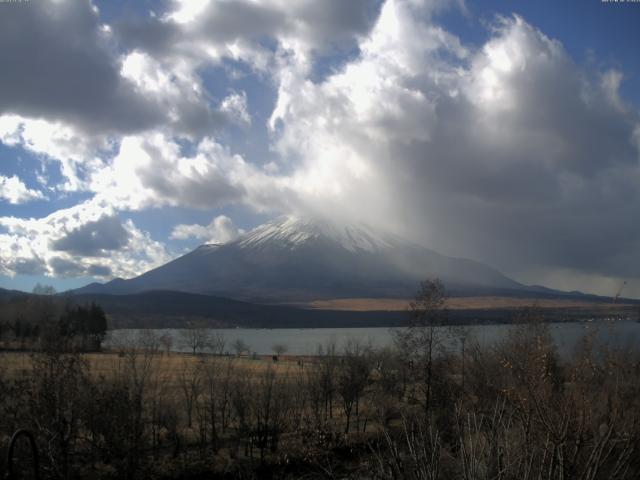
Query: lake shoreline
(305, 341)
(317, 318)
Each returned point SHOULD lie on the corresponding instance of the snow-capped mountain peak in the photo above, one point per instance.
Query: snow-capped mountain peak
(293, 232)
(297, 259)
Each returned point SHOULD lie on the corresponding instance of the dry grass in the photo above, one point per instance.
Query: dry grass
(15, 363)
(360, 304)
(455, 303)
(170, 366)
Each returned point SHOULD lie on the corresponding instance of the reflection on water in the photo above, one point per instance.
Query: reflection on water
(305, 341)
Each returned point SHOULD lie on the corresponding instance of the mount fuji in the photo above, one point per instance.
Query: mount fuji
(293, 259)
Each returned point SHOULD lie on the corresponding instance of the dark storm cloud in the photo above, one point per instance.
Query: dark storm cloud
(57, 65)
(26, 266)
(64, 67)
(149, 34)
(94, 239)
(65, 268)
(99, 271)
(550, 179)
(556, 186)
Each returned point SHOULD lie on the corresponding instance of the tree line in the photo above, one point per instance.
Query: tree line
(30, 321)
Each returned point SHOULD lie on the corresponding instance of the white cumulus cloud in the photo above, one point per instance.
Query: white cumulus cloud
(151, 171)
(13, 190)
(221, 229)
(85, 240)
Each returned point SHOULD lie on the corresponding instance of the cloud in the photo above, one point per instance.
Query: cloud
(151, 171)
(93, 239)
(206, 32)
(60, 67)
(235, 106)
(343, 128)
(99, 270)
(68, 241)
(507, 151)
(103, 86)
(72, 90)
(76, 153)
(25, 266)
(65, 268)
(14, 191)
(179, 91)
(220, 230)
(510, 153)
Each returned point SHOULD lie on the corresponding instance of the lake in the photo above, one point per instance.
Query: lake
(305, 341)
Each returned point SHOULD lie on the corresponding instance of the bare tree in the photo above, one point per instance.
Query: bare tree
(57, 386)
(353, 376)
(195, 338)
(326, 376)
(166, 341)
(269, 410)
(240, 347)
(131, 386)
(190, 385)
(217, 343)
(44, 289)
(240, 400)
(279, 349)
(461, 334)
(420, 339)
(216, 380)
(148, 341)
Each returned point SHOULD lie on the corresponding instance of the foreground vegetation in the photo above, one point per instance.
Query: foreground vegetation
(423, 410)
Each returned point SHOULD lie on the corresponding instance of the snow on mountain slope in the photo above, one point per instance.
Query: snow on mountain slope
(292, 232)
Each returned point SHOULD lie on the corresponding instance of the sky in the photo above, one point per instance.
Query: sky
(504, 131)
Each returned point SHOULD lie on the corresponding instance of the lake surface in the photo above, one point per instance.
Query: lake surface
(305, 341)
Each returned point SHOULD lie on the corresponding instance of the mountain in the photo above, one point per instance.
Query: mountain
(9, 294)
(295, 259)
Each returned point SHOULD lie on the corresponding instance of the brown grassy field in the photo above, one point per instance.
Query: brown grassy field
(455, 303)
(16, 363)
